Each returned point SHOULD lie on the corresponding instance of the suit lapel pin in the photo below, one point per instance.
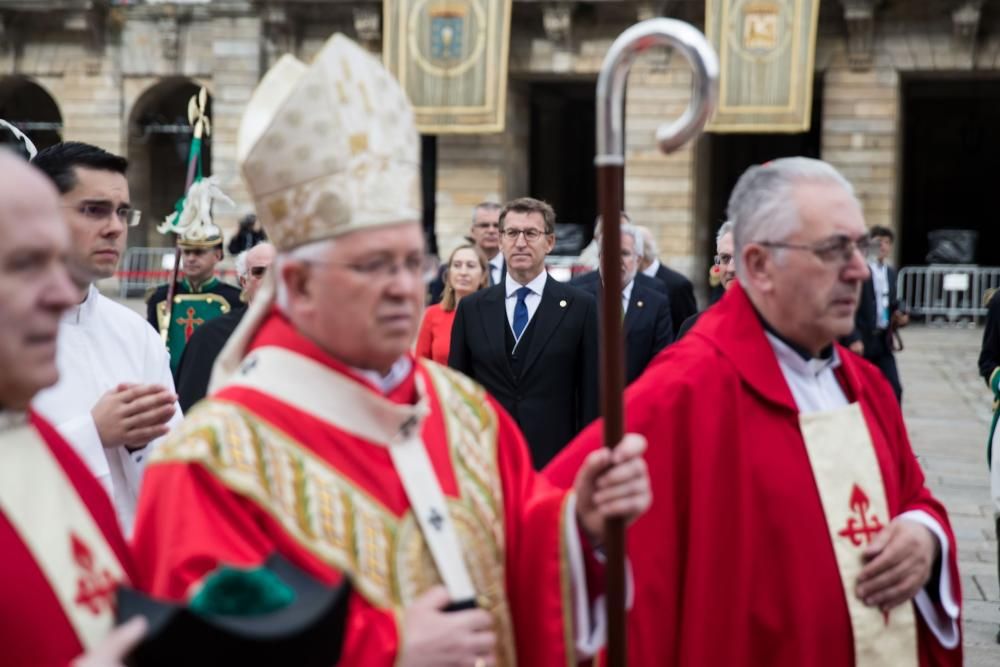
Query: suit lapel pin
(562, 304)
(639, 303)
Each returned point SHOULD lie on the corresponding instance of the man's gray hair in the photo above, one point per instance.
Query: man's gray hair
(241, 264)
(633, 231)
(314, 251)
(485, 206)
(761, 206)
(726, 228)
(649, 249)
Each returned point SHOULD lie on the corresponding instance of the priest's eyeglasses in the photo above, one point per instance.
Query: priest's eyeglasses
(836, 249)
(100, 211)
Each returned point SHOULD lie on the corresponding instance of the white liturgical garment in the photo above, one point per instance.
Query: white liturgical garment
(102, 344)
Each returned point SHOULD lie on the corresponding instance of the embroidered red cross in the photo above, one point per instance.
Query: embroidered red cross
(94, 590)
(861, 527)
(190, 323)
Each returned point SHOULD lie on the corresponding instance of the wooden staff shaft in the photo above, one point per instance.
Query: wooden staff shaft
(609, 193)
(192, 169)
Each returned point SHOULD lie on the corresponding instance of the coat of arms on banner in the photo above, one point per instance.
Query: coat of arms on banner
(450, 57)
(766, 50)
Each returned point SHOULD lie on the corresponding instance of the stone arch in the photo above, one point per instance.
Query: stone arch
(28, 106)
(159, 138)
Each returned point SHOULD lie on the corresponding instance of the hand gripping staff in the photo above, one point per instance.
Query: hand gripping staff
(610, 164)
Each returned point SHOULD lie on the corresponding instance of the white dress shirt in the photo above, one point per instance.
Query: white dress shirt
(815, 388)
(652, 268)
(880, 285)
(626, 295)
(101, 344)
(496, 268)
(531, 301)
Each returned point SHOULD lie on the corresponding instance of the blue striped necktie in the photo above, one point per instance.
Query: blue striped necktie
(521, 312)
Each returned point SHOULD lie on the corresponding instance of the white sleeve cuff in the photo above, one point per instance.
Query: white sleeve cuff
(590, 621)
(81, 434)
(941, 619)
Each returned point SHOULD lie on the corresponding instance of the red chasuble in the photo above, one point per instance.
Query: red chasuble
(35, 630)
(248, 474)
(734, 564)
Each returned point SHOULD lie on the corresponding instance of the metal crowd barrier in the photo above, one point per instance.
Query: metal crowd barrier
(947, 293)
(142, 268)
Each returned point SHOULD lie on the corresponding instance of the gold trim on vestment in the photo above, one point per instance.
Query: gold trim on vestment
(330, 516)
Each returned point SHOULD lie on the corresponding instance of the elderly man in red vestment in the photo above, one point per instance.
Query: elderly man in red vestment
(324, 439)
(60, 545)
(791, 523)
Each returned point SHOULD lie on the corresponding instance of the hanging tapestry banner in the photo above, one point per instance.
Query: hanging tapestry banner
(766, 54)
(450, 56)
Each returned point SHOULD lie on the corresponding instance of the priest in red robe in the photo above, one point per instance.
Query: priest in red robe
(63, 554)
(324, 439)
(791, 523)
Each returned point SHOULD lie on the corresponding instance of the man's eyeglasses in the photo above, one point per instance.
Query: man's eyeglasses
(723, 260)
(838, 248)
(99, 212)
(530, 235)
(258, 271)
(486, 225)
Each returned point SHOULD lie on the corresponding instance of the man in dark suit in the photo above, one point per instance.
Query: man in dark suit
(678, 288)
(878, 311)
(531, 341)
(646, 323)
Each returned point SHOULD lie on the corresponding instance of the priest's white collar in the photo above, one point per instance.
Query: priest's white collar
(399, 371)
(792, 358)
(536, 285)
(84, 310)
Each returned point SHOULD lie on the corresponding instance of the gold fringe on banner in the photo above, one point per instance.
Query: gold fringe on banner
(450, 57)
(766, 55)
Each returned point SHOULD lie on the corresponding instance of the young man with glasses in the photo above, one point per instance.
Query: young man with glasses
(784, 478)
(195, 368)
(115, 396)
(531, 341)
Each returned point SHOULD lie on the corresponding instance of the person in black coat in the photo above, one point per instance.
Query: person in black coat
(725, 262)
(677, 288)
(195, 367)
(647, 325)
(531, 341)
(879, 312)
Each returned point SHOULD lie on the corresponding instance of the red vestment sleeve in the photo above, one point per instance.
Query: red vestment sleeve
(176, 549)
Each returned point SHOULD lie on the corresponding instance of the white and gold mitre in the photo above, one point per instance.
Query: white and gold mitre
(329, 148)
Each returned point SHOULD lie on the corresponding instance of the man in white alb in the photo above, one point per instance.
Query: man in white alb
(115, 396)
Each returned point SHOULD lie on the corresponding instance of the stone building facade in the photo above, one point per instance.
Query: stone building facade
(118, 73)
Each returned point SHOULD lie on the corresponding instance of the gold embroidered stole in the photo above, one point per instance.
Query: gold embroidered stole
(852, 492)
(55, 525)
(385, 555)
